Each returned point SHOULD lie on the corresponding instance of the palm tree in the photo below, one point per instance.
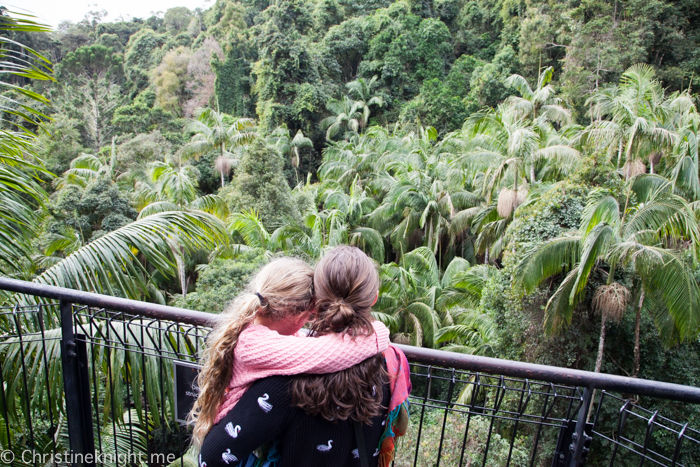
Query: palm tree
(419, 201)
(356, 203)
(362, 90)
(121, 262)
(685, 153)
(635, 117)
(87, 168)
(217, 131)
(466, 328)
(408, 295)
(539, 101)
(169, 189)
(20, 191)
(642, 237)
(344, 161)
(416, 300)
(345, 117)
(512, 146)
(250, 227)
(290, 147)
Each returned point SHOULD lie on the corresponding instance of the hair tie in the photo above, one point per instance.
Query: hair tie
(262, 300)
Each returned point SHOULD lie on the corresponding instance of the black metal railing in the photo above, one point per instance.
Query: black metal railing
(87, 379)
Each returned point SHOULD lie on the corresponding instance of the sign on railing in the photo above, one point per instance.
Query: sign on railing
(186, 389)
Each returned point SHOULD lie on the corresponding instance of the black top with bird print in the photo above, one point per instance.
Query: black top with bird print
(265, 412)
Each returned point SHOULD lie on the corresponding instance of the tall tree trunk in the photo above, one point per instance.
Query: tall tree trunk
(601, 344)
(598, 360)
(222, 169)
(96, 115)
(637, 325)
(486, 255)
(619, 155)
(532, 172)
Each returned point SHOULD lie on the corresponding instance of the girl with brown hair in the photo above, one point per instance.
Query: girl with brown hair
(256, 337)
(345, 418)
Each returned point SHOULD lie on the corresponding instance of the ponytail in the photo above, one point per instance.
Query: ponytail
(346, 284)
(217, 368)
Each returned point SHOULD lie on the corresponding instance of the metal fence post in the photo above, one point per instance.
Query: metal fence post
(80, 432)
(579, 438)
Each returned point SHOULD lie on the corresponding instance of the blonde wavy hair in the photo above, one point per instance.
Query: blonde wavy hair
(282, 288)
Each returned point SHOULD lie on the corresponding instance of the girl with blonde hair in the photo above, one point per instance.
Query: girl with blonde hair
(257, 337)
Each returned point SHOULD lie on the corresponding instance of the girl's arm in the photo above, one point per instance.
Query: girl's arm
(262, 349)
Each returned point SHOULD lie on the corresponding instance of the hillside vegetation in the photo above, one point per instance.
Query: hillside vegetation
(525, 173)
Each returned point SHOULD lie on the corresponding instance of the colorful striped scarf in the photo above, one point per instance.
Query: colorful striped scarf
(397, 419)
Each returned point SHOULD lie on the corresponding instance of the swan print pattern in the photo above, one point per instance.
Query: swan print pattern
(324, 448)
(232, 431)
(201, 464)
(262, 402)
(228, 457)
(355, 453)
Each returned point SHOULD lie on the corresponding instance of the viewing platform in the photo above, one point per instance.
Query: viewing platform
(92, 375)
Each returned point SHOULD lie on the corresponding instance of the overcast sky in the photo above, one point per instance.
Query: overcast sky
(53, 12)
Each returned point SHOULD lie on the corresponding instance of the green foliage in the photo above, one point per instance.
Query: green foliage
(405, 50)
(287, 80)
(176, 20)
(556, 211)
(444, 134)
(140, 150)
(222, 280)
(91, 60)
(441, 103)
(487, 84)
(143, 53)
(169, 79)
(259, 184)
(98, 208)
(452, 440)
(141, 116)
(59, 143)
(233, 84)
(20, 192)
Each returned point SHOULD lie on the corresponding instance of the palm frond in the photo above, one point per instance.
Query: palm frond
(551, 257)
(600, 208)
(595, 245)
(560, 308)
(249, 225)
(111, 265)
(421, 262)
(369, 240)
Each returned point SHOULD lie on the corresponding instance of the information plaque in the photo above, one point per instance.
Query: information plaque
(186, 389)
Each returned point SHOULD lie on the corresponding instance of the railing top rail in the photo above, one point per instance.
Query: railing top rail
(151, 310)
(557, 375)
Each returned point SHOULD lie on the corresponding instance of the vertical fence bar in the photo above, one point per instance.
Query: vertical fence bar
(4, 405)
(579, 436)
(543, 418)
(86, 409)
(40, 313)
(26, 395)
(428, 383)
(444, 420)
(79, 423)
